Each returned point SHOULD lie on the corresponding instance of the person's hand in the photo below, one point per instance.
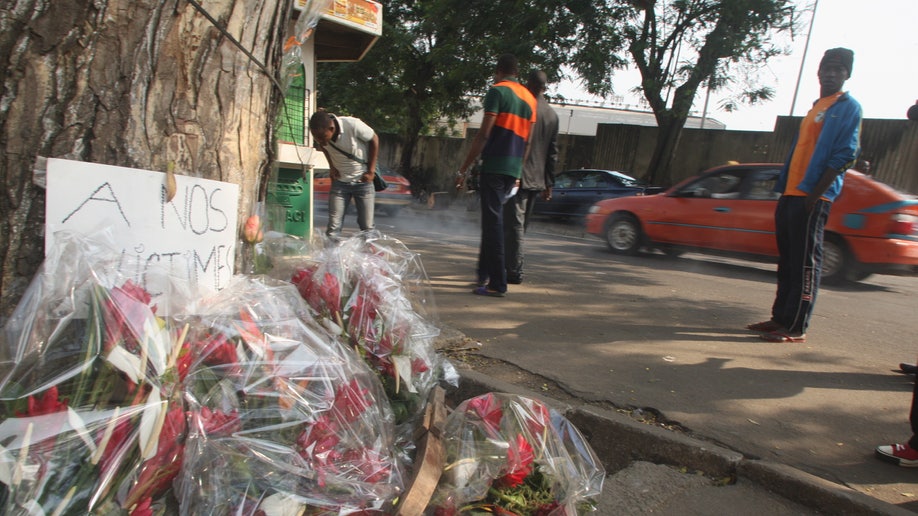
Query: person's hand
(367, 177)
(810, 202)
(546, 194)
(460, 179)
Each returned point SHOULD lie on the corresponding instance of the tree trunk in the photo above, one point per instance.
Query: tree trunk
(133, 83)
(669, 130)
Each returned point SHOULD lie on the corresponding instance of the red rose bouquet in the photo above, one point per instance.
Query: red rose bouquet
(512, 455)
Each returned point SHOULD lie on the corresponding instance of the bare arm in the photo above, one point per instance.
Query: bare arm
(372, 155)
(487, 123)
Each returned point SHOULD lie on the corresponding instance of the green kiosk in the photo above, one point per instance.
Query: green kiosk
(345, 32)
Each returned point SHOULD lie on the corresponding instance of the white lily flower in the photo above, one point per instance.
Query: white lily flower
(403, 369)
(281, 504)
(126, 362)
(76, 422)
(156, 342)
(7, 463)
(150, 424)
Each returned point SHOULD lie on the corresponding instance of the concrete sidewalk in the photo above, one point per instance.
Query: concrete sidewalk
(772, 430)
(562, 327)
(654, 470)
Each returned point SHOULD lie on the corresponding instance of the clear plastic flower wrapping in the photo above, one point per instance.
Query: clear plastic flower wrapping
(123, 392)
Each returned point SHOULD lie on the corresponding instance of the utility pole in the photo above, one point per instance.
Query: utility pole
(806, 47)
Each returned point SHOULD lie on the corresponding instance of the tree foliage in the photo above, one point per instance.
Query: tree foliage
(435, 55)
(680, 45)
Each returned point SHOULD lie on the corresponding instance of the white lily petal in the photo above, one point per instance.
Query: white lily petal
(33, 508)
(281, 504)
(126, 362)
(156, 340)
(30, 472)
(148, 421)
(76, 422)
(7, 463)
(403, 366)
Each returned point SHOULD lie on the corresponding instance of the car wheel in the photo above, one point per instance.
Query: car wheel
(623, 234)
(835, 261)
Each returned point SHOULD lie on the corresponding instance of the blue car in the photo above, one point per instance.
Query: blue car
(575, 191)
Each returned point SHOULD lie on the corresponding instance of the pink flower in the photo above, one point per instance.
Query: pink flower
(144, 508)
(120, 438)
(519, 463)
(216, 423)
(487, 408)
(252, 232)
(374, 467)
(318, 440)
(126, 310)
(351, 400)
(217, 350)
(48, 403)
(157, 473)
(330, 293)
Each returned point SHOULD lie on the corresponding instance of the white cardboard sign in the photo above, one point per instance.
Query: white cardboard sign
(193, 235)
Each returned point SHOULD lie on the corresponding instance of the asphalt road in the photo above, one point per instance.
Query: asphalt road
(668, 334)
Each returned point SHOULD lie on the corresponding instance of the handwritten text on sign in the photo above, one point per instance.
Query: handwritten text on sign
(193, 236)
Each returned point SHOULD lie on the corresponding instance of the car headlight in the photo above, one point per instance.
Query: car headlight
(594, 209)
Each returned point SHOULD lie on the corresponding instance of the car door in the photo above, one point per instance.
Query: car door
(591, 187)
(699, 213)
(563, 195)
(753, 216)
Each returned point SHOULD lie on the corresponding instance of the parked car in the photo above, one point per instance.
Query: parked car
(576, 190)
(389, 201)
(872, 228)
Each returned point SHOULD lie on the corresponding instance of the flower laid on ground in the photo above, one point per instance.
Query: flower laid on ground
(512, 455)
(85, 404)
(284, 416)
(360, 290)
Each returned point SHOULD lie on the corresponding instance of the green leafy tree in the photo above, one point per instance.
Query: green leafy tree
(680, 45)
(436, 55)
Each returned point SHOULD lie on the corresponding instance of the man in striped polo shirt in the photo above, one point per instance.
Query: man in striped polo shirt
(502, 142)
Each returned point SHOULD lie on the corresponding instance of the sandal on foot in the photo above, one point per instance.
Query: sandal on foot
(485, 291)
(765, 326)
(783, 336)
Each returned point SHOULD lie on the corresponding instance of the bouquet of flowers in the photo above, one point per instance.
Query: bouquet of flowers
(110, 406)
(91, 413)
(375, 294)
(511, 455)
(283, 418)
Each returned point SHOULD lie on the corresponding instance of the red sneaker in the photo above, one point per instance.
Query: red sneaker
(901, 454)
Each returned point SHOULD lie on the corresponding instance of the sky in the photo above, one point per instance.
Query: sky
(882, 34)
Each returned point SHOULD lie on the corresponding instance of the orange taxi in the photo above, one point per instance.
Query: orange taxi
(872, 228)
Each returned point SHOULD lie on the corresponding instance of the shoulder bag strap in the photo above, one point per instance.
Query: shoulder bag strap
(347, 154)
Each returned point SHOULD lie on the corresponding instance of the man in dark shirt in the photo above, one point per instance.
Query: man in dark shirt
(537, 179)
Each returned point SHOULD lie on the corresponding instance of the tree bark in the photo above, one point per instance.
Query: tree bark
(669, 131)
(133, 83)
